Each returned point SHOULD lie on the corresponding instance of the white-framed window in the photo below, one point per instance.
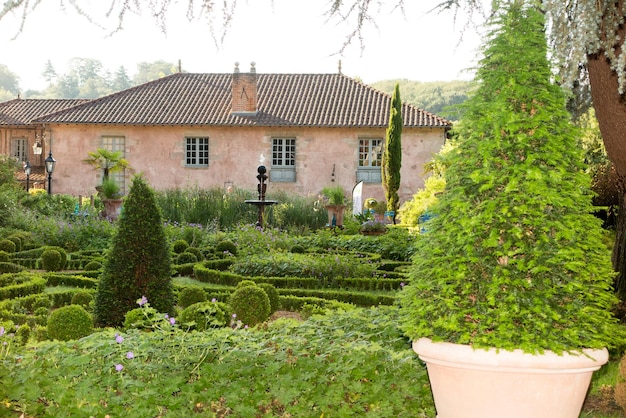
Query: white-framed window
(283, 160)
(117, 143)
(370, 160)
(20, 149)
(197, 151)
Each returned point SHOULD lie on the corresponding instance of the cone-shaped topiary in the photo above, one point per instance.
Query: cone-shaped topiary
(392, 154)
(513, 258)
(138, 262)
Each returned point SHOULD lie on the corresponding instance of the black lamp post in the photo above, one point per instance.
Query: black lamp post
(27, 170)
(50, 162)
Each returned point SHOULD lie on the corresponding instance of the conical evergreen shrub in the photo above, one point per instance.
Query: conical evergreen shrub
(513, 258)
(138, 262)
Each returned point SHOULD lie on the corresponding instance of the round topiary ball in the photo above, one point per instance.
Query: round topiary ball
(251, 305)
(272, 294)
(7, 245)
(180, 246)
(226, 246)
(51, 260)
(190, 295)
(17, 241)
(92, 266)
(245, 283)
(69, 323)
(297, 249)
(205, 315)
(195, 251)
(186, 258)
(82, 298)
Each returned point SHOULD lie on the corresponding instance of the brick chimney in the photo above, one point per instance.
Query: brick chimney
(244, 91)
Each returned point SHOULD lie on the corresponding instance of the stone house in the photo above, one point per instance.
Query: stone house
(214, 130)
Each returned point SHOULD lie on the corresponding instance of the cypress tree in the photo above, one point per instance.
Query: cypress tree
(392, 154)
(138, 262)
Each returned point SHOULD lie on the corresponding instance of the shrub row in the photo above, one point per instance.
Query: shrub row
(59, 279)
(20, 284)
(362, 283)
(6, 267)
(357, 298)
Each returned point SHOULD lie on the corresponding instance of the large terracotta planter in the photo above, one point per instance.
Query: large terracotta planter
(468, 383)
(335, 212)
(112, 207)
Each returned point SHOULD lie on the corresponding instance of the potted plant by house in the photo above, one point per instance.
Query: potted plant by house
(334, 202)
(109, 190)
(111, 198)
(510, 297)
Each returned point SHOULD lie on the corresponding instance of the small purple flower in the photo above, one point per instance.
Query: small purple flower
(234, 315)
(119, 339)
(130, 355)
(166, 316)
(119, 367)
(1, 331)
(246, 327)
(402, 284)
(213, 300)
(142, 301)
(172, 321)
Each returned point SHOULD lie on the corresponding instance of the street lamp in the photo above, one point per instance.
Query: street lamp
(50, 162)
(27, 170)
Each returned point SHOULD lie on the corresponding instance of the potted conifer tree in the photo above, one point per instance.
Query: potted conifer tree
(512, 275)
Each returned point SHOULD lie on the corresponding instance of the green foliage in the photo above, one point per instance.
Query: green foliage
(297, 249)
(251, 305)
(51, 205)
(186, 258)
(392, 153)
(93, 266)
(334, 195)
(7, 246)
(190, 295)
(425, 198)
(195, 251)
(82, 298)
(226, 246)
(201, 316)
(244, 283)
(4, 257)
(146, 318)
(322, 266)
(18, 284)
(353, 363)
(69, 323)
(107, 161)
(110, 189)
(62, 259)
(51, 260)
(138, 263)
(272, 294)
(78, 233)
(443, 98)
(513, 259)
(179, 246)
(22, 334)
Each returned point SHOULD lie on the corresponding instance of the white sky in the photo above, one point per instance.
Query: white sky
(291, 38)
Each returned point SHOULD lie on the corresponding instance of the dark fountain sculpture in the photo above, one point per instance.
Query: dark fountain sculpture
(261, 202)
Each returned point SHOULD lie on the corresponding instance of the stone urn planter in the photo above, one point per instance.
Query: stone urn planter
(335, 214)
(469, 383)
(112, 208)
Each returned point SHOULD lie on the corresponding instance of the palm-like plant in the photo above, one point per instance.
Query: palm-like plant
(107, 161)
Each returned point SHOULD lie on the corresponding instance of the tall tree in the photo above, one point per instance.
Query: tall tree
(392, 154)
(9, 81)
(138, 262)
(49, 73)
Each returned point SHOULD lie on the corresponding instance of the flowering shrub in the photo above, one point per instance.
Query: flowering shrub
(373, 225)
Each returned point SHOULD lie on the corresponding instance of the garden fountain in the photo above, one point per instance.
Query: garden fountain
(261, 203)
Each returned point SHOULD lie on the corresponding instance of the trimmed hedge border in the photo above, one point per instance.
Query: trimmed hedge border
(20, 284)
(57, 279)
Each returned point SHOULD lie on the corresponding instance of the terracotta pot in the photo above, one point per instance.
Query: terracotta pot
(479, 383)
(337, 211)
(112, 207)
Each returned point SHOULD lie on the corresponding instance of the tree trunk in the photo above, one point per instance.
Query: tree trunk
(610, 109)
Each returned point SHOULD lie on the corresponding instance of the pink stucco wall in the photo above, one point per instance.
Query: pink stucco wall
(234, 155)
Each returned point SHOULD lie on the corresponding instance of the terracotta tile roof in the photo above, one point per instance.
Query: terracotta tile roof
(20, 112)
(314, 100)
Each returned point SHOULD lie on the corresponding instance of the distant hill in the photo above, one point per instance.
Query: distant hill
(439, 97)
